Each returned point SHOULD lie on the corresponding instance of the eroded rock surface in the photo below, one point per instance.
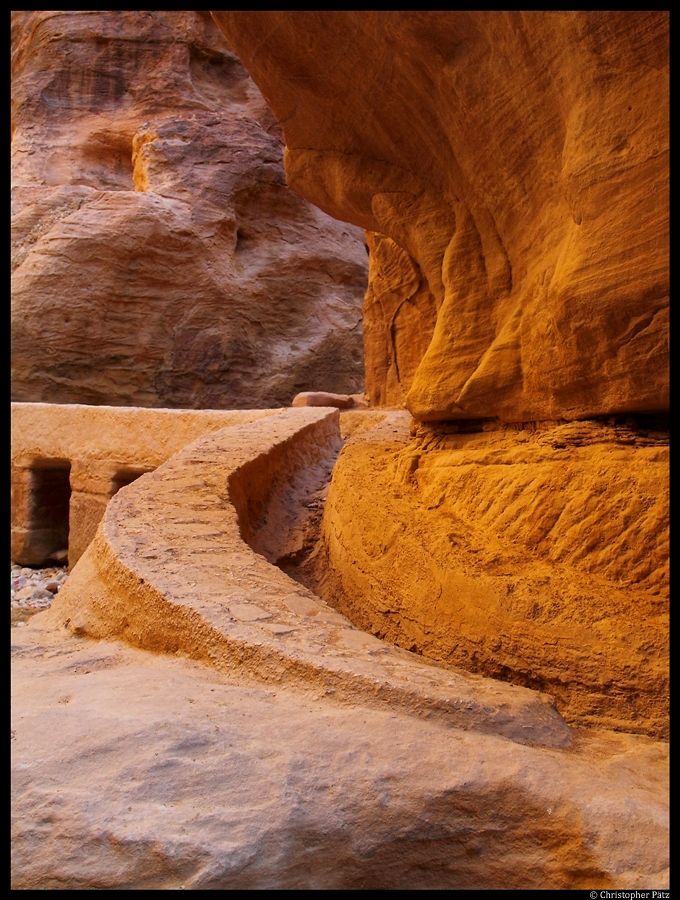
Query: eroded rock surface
(291, 750)
(182, 561)
(158, 257)
(512, 171)
(538, 556)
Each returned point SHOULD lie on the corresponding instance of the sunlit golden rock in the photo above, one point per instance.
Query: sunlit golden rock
(518, 161)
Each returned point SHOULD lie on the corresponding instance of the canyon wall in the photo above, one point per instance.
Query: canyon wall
(512, 170)
(510, 525)
(158, 257)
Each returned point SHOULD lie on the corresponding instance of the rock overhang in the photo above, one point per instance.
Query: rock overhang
(516, 162)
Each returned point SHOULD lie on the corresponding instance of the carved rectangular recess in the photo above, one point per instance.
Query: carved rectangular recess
(48, 510)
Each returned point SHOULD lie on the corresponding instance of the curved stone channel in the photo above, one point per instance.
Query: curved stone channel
(182, 562)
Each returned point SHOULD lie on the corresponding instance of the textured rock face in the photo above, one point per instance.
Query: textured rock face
(536, 557)
(512, 170)
(159, 258)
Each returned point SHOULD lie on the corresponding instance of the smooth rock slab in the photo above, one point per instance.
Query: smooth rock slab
(134, 770)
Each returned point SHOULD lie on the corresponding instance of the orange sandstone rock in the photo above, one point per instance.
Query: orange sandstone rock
(513, 167)
(510, 170)
(535, 556)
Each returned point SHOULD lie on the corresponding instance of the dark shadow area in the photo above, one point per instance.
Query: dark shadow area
(125, 476)
(48, 519)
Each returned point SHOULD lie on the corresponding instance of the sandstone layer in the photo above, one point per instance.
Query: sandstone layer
(537, 556)
(511, 169)
(159, 258)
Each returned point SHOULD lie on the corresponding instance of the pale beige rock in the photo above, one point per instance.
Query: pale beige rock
(135, 771)
(69, 460)
(360, 401)
(511, 169)
(158, 257)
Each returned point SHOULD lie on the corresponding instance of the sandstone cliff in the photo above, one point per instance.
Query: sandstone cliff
(158, 257)
(509, 170)
(514, 170)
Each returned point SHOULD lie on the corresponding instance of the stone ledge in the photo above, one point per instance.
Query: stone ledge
(96, 448)
(126, 434)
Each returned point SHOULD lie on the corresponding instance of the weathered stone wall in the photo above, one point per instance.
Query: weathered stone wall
(513, 167)
(158, 257)
(537, 556)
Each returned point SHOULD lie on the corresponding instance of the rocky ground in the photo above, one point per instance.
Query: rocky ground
(136, 770)
(34, 589)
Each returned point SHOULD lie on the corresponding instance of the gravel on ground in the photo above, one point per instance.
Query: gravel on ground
(34, 590)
